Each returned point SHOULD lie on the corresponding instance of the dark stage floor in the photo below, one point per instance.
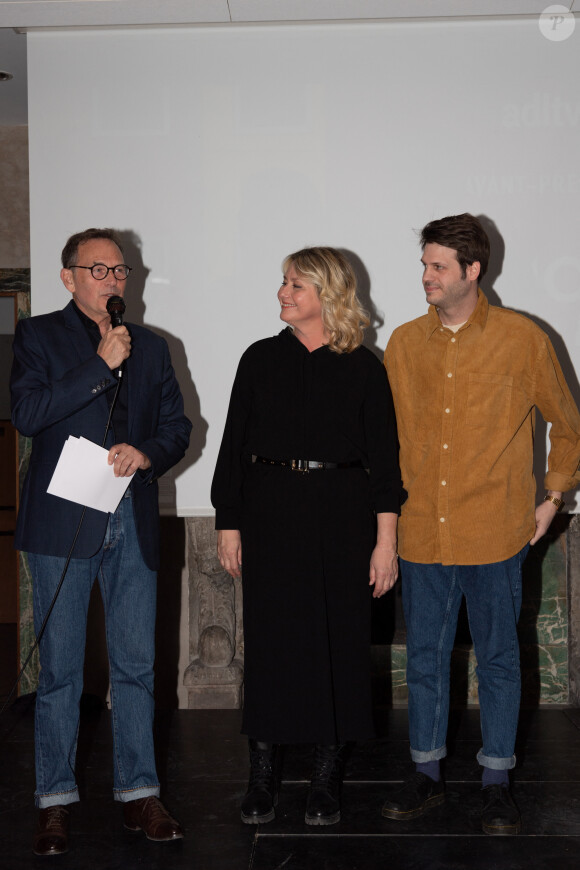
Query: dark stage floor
(203, 769)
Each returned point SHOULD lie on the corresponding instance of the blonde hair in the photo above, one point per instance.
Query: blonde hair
(343, 316)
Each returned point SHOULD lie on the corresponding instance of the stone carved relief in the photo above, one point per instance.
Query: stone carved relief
(214, 676)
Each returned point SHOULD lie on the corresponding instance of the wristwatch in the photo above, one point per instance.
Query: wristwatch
(559, 502)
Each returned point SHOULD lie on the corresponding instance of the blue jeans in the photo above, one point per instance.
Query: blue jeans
(128, 589)
(432, 596)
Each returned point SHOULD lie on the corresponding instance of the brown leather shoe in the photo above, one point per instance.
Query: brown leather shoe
(149, 815)
(51, 835)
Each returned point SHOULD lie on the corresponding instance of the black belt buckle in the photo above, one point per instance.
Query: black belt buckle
(300, 465)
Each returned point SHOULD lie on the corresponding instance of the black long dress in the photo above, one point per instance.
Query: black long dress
(307, 537)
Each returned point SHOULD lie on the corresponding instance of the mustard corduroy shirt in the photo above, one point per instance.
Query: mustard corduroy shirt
(465, 415)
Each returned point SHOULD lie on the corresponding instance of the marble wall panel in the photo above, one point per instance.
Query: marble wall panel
(17, 281)
(14, 199)
(573, 588)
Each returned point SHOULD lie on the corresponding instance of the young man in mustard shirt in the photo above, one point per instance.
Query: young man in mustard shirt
(466, 378)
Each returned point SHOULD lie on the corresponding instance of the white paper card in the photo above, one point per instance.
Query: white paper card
(83, 475)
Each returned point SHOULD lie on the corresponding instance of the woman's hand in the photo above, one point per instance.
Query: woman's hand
(384, 568)
(229, 550)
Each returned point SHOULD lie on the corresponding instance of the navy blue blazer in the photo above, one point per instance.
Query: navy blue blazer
(58, 387)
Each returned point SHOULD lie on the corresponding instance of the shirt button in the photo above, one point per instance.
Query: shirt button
(447, 410)
(441, 519)
(445, 447)
(443, 483)
(449, 375)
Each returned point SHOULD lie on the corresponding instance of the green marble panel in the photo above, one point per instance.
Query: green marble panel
(17, 281)
(544, 621)
(29, 680)
(552, 628)
(544, 674)
(463, 687)
(398, 675)
(544, 618)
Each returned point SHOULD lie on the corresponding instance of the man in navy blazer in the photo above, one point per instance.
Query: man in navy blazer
(65, 374)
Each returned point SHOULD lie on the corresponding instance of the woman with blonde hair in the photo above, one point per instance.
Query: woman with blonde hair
(307, 485)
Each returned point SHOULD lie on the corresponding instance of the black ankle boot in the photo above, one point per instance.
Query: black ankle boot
(262, 794)
(323, 805)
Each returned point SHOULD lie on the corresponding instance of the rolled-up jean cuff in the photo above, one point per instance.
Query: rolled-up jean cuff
(136, 794)
(433, 755)
(495, 763)
(58, 799)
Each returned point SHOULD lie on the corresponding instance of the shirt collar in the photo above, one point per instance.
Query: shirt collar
(87, 321)
(478, 317)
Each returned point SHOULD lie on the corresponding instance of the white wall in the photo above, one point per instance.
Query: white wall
(224, 149)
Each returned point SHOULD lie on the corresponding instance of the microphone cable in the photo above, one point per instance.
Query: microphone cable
(116, 312)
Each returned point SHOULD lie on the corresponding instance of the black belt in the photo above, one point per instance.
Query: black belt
(307, 464)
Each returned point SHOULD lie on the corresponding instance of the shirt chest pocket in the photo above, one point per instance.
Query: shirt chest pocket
(489, 400)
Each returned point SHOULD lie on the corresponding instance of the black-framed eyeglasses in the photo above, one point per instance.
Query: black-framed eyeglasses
(100, 271)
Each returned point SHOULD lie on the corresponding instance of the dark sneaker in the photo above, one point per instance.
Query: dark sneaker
(499, 814)
(418, 793)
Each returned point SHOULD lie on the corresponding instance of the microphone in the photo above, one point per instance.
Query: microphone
(115, 309)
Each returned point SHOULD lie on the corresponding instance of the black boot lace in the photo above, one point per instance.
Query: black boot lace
(261, 770)
(327, 768)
